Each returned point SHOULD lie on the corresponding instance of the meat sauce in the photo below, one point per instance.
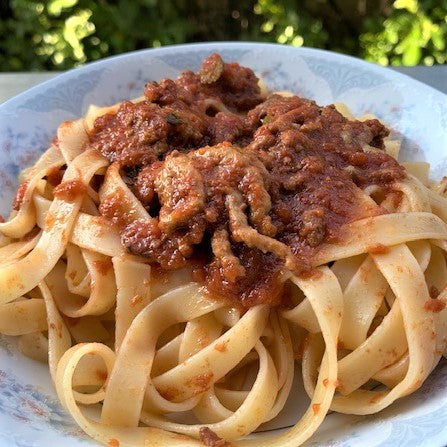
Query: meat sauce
(249, 184)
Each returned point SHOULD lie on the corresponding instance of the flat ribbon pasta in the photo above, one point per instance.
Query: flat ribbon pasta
(160, 360)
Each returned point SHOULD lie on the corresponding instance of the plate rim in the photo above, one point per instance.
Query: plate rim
(391, 75)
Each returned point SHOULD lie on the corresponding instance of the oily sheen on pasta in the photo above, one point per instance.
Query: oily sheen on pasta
(190, 251)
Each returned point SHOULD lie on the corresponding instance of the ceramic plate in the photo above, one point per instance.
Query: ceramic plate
(30, 414)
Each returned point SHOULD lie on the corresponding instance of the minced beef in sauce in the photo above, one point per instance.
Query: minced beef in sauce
(247, 184)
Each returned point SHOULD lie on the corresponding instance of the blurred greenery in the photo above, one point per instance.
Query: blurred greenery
(60, 34)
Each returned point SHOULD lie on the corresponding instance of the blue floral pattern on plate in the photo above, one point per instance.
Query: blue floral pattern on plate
(30, 414)
(67, 95)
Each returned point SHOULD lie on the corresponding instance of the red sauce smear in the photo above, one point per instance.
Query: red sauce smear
(434, 305)
(210, 439)
(69, 190)
(20, 195)
(250, 184)
(103, 266)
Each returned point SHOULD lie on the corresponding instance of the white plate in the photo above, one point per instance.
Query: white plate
(30, 414)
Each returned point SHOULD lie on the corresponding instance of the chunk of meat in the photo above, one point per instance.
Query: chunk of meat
(180, 190)
(145, 238)
(242, 232)
(236, 86)
(314, 226)
(226, 168)
(228, 127)
(144, 185)
(191, 190)
(230, 264)
(211, 69)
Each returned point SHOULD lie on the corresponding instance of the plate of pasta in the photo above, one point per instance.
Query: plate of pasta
(225, 244)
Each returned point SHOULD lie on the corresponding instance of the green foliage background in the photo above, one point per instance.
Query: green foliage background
(60, 34)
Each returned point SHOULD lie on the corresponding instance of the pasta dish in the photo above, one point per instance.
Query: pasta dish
(188, 252)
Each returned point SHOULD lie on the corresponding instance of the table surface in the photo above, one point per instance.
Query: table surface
(12, 84)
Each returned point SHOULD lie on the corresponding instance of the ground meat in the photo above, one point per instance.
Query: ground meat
(237, 88)
(139, 134)
(175, 115)
(111, 208)
(144, 187)
(192, 191)
(171, 251)
(314, 226)
(261, 283)
(248, 184)
(228, 127)
(230, 264)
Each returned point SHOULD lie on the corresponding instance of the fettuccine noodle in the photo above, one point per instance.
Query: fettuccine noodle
(367, 327)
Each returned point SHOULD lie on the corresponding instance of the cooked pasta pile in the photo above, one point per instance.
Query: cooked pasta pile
(367, 324)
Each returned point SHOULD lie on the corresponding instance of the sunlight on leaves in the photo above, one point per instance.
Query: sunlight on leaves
(55, 7)
(409, 5)
(60, 34)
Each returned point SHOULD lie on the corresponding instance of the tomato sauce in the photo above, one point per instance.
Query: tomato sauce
(245, 182)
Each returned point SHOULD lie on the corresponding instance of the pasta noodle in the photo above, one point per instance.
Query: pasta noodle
(366, 321)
